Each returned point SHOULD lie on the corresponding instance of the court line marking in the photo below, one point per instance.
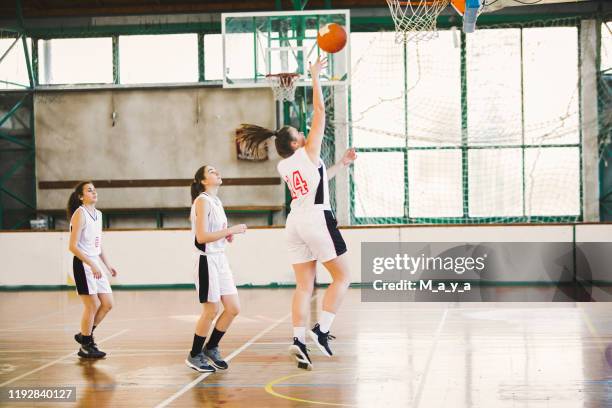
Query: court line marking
(57, 360)
(270, 390)
(239, 350)
(417, 399)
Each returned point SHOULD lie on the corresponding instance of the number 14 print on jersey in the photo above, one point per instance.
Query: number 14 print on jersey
(297, 185)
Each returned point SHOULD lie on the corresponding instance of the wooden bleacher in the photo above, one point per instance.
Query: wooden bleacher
(160, 212)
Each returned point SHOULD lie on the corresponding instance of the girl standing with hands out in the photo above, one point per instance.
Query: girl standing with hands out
(213, 276)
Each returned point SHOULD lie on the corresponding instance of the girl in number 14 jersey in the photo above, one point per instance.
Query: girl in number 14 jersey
(311, 229)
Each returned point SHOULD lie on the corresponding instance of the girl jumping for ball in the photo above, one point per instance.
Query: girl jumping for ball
(311, 227)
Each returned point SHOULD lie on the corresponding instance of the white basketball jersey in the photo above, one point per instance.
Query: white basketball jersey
(216, 220)
(90, 241)
(306, 182)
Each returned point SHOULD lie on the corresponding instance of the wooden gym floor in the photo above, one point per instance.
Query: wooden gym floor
(387, 354)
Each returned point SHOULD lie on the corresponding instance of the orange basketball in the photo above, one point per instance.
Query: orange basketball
(331, 37)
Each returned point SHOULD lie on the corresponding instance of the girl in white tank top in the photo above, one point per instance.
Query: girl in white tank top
(89, 273)
(311, 228)
(213, 277)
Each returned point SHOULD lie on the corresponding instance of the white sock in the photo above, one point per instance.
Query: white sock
(326, 321)
(300, 333)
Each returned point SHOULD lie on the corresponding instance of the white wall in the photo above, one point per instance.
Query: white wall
(154, 257)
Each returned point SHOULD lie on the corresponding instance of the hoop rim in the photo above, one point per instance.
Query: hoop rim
(283, 85)
(283, 75)
(420, 2)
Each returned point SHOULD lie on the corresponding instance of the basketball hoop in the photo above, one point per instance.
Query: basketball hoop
(415, 20)
(283, 85)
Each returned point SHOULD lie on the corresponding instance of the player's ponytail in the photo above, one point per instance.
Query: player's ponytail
(253, 136)
(197, 187)
(75, 199)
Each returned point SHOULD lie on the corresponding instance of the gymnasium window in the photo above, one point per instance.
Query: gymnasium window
(493, 70)
(606, 46)
(75, 61)
(13, 69)
(550, 102)
(376, 72)
(242, 63)
(434, 91)
(380, 186)
(495, 183)
(213, 57)
(551, 91)
(519, 155)
(162, 58)
(434, 183)
(434, 121)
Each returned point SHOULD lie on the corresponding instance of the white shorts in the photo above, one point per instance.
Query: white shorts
(86, 284)
(213, 277)
(313, 235)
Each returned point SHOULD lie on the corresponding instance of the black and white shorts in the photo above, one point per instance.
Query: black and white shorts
(85, 282)
(313, 234)
(213, 277)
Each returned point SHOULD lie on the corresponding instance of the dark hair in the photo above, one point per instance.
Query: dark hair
(74, 201)
(253, 136)
(197, 187)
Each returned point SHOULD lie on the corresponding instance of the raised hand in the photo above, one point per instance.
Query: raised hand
(317, 67)
(349, 157)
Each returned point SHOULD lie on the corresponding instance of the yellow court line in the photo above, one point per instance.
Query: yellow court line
(239, 350)
(270, 390)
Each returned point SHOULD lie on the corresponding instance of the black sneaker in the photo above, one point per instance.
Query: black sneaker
(90, 351)
(79, 339)
(299, 352)
(215, 357)
(321, 339)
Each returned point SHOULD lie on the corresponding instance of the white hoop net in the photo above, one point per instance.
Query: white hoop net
(283, 86)
(415, 20)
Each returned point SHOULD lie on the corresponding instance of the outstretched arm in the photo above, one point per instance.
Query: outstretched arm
(349, 157)
(317, 127)
(203, 236)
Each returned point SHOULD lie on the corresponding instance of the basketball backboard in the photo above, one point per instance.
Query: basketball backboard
(259, 44)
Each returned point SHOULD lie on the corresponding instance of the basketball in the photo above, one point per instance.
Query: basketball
(331, 37)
